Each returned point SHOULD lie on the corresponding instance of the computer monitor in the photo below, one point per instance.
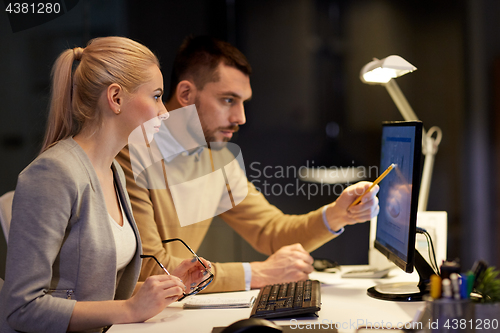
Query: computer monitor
(398, 200)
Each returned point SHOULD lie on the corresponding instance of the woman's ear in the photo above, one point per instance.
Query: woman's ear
(114, 96)
(185, 93)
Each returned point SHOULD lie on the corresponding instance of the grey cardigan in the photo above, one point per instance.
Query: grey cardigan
(61, 247)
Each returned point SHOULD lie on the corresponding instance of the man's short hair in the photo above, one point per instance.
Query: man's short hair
(198, 59)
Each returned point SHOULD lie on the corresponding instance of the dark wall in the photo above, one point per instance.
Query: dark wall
(26, 58)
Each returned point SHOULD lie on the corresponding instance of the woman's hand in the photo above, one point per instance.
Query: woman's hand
(192, 272)
(155, 294)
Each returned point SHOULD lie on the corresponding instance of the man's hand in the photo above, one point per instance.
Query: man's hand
(290, 263)
(339, 214)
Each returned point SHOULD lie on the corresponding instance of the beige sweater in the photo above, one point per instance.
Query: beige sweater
(261, 224)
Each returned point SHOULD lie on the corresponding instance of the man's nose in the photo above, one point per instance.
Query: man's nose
(238, 115)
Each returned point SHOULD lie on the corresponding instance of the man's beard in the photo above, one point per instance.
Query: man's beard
(210, 134)
(217, 145)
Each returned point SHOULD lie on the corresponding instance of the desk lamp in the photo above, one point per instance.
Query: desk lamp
(383, 72)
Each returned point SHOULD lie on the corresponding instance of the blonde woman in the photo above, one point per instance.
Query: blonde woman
(74, 251)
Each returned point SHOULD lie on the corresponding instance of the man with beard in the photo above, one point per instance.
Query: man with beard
(214, 76)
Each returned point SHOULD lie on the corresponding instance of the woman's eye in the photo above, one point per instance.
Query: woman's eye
(158, 97)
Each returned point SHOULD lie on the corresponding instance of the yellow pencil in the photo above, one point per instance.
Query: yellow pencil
(378, 180)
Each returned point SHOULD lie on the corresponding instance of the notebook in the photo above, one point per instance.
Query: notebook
(218, 302)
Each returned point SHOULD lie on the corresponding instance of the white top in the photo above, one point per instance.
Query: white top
(124, 240)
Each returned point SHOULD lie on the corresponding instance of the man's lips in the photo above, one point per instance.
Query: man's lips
(228, 131)
(227, 134)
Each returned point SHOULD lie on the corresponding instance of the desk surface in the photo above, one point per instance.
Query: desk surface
(344, 303)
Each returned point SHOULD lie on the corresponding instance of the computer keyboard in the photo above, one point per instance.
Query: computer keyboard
(288, 299)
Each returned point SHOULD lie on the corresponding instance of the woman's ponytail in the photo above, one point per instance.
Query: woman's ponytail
(60, 123)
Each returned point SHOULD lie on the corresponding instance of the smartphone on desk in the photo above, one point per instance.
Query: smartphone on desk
(326, 265)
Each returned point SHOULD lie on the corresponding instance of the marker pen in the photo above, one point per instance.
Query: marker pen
(464, 287)
(447, 292)
(470, 282)
(454, 285)
(435, 286)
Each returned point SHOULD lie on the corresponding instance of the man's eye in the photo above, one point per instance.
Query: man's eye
(229, 100)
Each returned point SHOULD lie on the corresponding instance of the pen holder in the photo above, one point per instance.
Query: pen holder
(487, 317)
(450, 315)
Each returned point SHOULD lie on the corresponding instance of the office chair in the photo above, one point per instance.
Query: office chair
(6, 212)
(5, 217)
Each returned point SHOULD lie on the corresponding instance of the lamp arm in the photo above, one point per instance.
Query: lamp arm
(430, 144)
(425, 183)
(431, 148)
(404, 107)
(400, 101)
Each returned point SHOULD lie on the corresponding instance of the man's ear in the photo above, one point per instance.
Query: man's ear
(114, 97)
(185, 93)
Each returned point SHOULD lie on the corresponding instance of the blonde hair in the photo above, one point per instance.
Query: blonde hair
(75, 94)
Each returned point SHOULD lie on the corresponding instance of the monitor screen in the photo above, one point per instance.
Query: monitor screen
(398, 195)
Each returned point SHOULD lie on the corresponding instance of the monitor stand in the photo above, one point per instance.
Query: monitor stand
(406, 291)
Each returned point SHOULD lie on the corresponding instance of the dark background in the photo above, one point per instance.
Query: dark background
(306, 56)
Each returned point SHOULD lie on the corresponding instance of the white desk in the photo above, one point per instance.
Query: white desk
(344, 301)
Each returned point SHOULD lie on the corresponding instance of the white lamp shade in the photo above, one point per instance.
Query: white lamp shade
(382, 71)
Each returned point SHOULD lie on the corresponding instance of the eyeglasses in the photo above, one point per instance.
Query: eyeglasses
(194, 290)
